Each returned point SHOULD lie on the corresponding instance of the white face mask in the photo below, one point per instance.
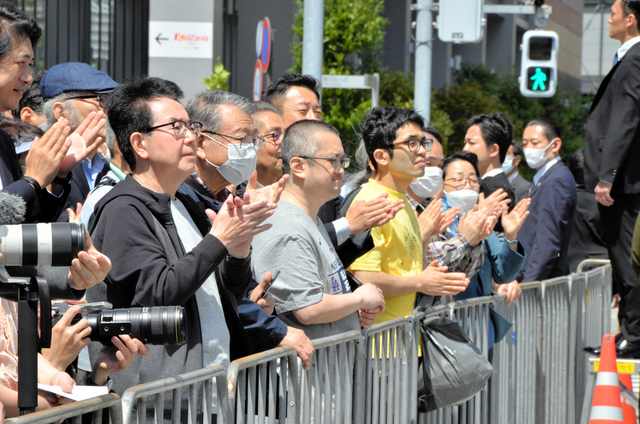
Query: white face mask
(429, 184)
(507, 165)
(535, 157)
(240, 164)
(465, 199)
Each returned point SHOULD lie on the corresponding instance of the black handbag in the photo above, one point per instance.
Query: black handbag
(453, 368)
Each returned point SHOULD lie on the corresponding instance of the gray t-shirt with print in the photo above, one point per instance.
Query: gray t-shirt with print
(309, 267)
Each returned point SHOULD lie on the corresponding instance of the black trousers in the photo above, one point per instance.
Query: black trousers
(618, 222)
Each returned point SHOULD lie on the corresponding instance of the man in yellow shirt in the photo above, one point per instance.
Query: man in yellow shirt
(396, 148)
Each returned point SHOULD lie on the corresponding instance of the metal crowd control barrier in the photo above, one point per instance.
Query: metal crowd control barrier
(264, 387)
(389, 357)
(74, 411)
(541, 371)
(334, 382)
(136, 398)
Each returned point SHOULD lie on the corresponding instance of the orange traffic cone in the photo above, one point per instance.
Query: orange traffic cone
(606, 407)
(628, 411)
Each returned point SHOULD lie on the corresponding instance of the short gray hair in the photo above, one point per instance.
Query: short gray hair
(110, 139)
(301, 139)
(205, 107)
(64, 98)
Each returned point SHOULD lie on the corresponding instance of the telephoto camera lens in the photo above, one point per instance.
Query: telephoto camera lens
(55, 244)
(158, 325)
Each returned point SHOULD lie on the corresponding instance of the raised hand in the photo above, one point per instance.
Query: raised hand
(46, 153)
(435, 281)
(430, 220)
(270, 193)
(85, 141)
(512, 222)
(494, 202)
(376, 212)
(89, 268)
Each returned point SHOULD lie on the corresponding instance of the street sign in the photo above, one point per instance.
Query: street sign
(461, 21)
(181, 39)
(539, 66)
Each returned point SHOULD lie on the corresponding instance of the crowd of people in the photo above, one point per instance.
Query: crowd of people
(203, 205)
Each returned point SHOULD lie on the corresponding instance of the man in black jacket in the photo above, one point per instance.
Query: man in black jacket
(154, 236)
(611, 150)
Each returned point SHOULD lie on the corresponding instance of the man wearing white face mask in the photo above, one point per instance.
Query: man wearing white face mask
(511, 167)
(545, 234)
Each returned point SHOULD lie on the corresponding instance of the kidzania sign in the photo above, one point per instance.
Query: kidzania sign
(181, 39)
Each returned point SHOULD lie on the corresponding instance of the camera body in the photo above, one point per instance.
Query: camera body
(158, 325)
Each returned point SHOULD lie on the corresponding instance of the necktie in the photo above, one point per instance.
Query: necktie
(615, 59)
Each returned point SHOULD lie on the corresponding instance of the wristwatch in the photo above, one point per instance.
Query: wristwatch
(63, 181)
(108, 384)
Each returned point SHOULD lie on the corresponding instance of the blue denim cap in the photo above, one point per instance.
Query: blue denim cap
(74, 76)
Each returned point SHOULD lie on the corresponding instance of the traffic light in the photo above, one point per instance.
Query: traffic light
(461, 21)
(539, 66)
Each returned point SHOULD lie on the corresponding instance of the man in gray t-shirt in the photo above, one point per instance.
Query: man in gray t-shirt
(312, 292)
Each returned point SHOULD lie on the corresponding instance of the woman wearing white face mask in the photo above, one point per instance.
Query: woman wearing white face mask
(503, 258)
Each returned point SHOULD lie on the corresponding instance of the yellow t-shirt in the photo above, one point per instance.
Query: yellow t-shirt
(397, 250)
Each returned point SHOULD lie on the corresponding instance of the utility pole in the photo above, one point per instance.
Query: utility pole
(424, 46)
(312, 38)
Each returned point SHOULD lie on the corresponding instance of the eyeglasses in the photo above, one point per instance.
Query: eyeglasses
(414, 144)
(336, 162)
(459, 183)
(275, 137)
(179, 128)
(245, 141)
(102, 98)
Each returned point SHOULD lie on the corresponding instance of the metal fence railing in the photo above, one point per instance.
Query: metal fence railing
(389, 357)
(540, 370)
(74, 411)
(265, 387)
(168, 402)
(334, 383)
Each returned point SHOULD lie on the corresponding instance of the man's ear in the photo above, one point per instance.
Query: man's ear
(382, 157)
(59, 109)
(200, 150)
(139, 145)
(493, 150)
(298, 167)
(28, 115)
(558, 145)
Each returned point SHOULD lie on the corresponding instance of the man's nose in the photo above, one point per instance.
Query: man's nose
(311, 115)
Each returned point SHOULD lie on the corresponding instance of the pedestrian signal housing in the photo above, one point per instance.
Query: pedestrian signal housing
(539, 66)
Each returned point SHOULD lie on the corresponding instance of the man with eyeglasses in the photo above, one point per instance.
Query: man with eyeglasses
(74, 91)
(227, 155)
(312, 291)
(396, 147)
(165, 248)
(270, 125)
(611, 171)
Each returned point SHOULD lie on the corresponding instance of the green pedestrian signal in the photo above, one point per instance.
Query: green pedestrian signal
(538, 78)
(539, 63)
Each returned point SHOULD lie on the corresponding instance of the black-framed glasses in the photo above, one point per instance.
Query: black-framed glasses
(414, 144)
(276, 138)
(245, 141)
(179, 128)
(459, 182)
(102, 98)
(336, 162)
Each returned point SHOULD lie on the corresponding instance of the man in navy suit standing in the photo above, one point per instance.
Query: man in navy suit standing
(611, 151)
(545, 233)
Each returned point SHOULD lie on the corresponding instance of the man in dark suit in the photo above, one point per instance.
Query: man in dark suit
(545, 233)
(73, 91)
(611, 150)
(489, 137)
(511, 167)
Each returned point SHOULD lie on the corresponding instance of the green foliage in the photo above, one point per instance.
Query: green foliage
(483, 91)
(353, 38)
(219, 79)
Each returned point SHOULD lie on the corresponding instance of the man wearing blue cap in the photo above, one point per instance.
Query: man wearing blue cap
(73, 91)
